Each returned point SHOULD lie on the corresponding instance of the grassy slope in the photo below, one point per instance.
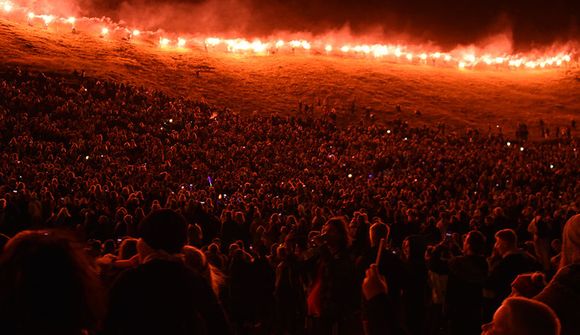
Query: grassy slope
(277, 83)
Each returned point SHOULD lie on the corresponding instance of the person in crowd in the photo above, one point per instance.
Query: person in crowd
(522, 316)
(162, 294)
(562, 293)
(333, 298)
(505, 264)
(467, 275)
(48, 286)
(381, 314)
(415, 290)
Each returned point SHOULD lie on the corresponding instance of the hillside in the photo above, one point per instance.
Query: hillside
(276, 83)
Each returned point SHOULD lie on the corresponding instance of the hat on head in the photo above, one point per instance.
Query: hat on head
(164, 229)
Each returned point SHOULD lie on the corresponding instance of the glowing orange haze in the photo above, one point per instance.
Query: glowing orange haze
(462, 59)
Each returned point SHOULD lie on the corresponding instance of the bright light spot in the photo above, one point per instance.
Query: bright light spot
(350, 175)
(469, 58)
(87, 157)
(447, 58)
(163, 41)
(306, 45)
(170, 120)
(136, 32)
(47, 19)
(71, 20)
(551, 166)
(388, 131)
(409, 56)
(345, 48)
(259, 47)
(522, 149)
(566, 58)
(295, 43)
(499, 60)
(328, 48)
(405, 139)
(461, 65)
(423, 56)
(213, 41)
(437, 55)
(7, 7)
(104, 31)
(509, 144)
(181, 42)
(31, 15)
(398, 52)
(279, 44)
(531, 65)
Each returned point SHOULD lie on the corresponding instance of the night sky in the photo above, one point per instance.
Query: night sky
(445, 22)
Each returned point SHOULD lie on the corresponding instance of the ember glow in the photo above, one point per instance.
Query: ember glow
(408, 54)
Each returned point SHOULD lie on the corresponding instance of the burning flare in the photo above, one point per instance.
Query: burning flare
(415, 55)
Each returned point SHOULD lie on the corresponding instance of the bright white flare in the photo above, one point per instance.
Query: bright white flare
(7, 6)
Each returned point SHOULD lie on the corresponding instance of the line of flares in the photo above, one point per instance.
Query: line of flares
(459, 59)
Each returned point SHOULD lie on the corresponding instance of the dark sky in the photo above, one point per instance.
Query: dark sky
(445, 22)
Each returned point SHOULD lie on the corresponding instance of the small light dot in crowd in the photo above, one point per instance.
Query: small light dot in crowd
(170, 120)
(551, 166)
(161, 128)
(101, 156)
(182, 187)
(350, 175)
(388, 131)
(415, 180)
(405, 139)
(509, 143)
(497, 125)
(220, 196)
(522, 149)
(87, 157)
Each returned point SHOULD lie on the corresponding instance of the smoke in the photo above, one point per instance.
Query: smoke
(515, 25)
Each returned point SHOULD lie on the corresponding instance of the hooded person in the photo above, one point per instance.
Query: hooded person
(162, 295)
(562, 293)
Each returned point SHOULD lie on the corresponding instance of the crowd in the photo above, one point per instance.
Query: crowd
(127, 211)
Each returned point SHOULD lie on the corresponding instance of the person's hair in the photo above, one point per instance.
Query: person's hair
(417, 248)
(508, 236)
(196, 260)
(531, 317)
(48, 285)
(339, 223)
(378, 231)
(128, 248)
(164, 229)
(571, 242)
(476, 242)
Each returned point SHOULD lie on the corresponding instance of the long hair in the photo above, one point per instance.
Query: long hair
(571, 242)
(48, 285)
